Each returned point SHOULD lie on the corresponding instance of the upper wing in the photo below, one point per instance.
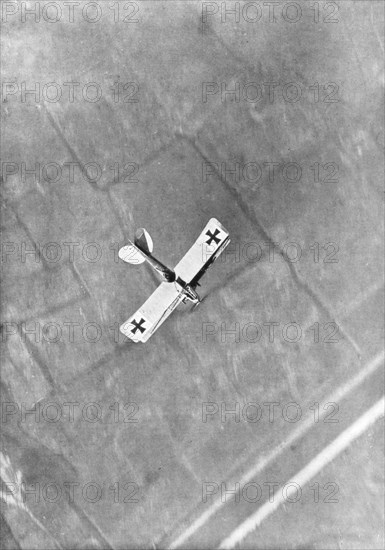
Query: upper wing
(140, 326)
(209, 245)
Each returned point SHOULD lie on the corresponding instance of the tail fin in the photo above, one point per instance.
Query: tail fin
(132, 252)
(143, 241)
(140, 251)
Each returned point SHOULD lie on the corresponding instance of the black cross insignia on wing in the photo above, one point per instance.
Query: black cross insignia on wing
(213, 237)
(138, 326)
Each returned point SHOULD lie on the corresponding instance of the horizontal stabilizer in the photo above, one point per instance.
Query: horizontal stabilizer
(131, 255)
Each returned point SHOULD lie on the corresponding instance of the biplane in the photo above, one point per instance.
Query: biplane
(179, 284)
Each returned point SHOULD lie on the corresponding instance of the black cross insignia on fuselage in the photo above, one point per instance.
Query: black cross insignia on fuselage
(138, 326)
(213, 237)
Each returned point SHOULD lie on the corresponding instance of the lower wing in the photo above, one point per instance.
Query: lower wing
(140, 326)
